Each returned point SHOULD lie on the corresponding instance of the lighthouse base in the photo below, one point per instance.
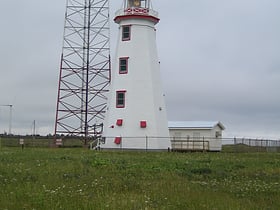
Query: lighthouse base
(137, 143)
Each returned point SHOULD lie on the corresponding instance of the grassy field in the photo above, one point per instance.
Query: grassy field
(83, 179)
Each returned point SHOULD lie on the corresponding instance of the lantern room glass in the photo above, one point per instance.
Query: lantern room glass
(137, 3)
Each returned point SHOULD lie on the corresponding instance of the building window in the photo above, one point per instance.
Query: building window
(126, 33)
(178, 136)
(123, 65)
(196, 136)
(120, 99)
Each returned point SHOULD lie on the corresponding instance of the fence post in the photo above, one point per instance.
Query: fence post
(235, 143)
(121, 143)
(266, 145)
(146, 143)
(203, 143)
(193, 144)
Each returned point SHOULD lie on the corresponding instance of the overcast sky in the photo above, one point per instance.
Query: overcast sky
(220, 60)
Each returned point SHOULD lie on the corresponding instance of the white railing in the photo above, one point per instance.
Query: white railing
(136, 11)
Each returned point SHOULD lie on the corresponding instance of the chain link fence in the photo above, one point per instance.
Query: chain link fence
(250, 145)
(145, 143)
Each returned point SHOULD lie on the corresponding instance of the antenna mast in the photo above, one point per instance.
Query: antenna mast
(85, 68)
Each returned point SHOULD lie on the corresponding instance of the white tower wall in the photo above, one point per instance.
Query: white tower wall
(144, 99)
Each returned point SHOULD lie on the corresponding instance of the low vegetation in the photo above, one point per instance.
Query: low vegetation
(37, 178)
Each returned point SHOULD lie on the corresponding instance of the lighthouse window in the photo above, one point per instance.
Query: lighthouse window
(123, 65)
(126, 33)
(120, 99)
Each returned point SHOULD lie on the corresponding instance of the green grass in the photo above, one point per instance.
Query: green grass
(83, 179)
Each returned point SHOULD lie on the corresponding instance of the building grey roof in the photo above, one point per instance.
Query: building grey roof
(195, 124)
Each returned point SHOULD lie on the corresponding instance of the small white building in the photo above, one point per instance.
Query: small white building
(196, 135)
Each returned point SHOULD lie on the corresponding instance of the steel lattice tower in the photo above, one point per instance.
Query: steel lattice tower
(85, 68)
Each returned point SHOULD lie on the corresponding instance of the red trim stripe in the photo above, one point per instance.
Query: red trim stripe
(118, 19)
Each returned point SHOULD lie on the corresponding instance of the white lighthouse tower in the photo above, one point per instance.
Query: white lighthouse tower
(136, 116)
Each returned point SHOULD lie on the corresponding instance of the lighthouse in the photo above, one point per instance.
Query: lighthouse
(136, 115)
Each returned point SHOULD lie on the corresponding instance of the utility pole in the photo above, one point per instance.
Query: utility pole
(10, 116)
(34, 129)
